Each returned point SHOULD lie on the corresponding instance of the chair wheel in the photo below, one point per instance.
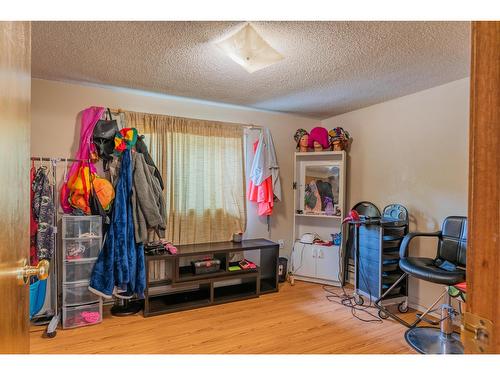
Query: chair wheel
(403, 307)
(382, 314)
(358, 300)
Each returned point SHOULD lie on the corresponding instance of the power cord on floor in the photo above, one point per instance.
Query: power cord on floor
(349, 301)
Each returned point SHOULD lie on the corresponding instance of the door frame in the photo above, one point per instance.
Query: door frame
(483, 256)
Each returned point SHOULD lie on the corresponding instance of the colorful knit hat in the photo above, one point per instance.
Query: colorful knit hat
(125, 139)
(299, 134)
(320, 135)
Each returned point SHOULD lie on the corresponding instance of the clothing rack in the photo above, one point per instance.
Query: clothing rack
(51, 315)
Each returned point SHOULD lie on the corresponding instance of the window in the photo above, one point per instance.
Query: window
(202, 166)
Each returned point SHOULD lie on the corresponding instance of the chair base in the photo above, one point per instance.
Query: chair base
(430, 340)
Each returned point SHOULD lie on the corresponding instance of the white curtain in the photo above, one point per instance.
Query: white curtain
(202, 166)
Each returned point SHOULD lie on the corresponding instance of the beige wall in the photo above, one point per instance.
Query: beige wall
(55, 132)
(412, 150)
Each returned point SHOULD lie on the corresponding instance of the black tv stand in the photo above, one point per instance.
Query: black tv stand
(172, 286)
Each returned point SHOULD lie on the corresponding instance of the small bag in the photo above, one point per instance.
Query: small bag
(205, 266)
(103, 137)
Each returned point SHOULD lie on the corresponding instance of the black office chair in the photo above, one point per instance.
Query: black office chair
(447, 268)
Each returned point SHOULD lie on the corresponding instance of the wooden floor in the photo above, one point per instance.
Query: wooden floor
(298, 319)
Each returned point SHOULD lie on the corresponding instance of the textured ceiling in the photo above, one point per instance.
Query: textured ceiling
(329, 67)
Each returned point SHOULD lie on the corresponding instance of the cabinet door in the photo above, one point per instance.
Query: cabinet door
(304, 260)
(327, 263)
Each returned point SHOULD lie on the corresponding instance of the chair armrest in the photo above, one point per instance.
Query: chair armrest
(403, 249)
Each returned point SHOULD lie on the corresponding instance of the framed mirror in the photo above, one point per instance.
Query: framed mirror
(320, 189)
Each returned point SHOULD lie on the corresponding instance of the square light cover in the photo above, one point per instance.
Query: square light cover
(247, 48)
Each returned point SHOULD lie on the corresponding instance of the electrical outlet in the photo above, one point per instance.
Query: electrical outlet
(281, 243)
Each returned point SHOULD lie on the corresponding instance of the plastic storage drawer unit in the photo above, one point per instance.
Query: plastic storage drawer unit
(82, 248)
(82, 315)
(78, 294)
(77, 271)
(77, 227)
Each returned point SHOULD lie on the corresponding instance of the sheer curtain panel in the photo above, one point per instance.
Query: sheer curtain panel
(202, 165)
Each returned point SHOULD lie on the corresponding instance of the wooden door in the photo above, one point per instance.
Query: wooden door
(483, 246)
(15, 93)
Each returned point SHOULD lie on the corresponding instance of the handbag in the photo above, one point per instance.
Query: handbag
(103, 136)
(95, 205)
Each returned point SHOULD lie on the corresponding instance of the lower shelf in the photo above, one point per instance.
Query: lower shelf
(247, 288)
(179, 301)
(268, 285)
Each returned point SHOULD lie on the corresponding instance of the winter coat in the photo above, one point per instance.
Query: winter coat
(120, 265)
(148, 202)
(140, 146)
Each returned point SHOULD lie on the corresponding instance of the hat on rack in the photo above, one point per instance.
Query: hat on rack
(299, 134)
(125, 139)
(320, 135)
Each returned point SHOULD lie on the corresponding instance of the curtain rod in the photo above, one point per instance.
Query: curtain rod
(34, 158)
(247, 126)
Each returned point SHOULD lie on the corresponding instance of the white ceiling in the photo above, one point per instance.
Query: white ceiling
(329, 67)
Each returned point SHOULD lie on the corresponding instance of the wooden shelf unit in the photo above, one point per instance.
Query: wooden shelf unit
(180, 289)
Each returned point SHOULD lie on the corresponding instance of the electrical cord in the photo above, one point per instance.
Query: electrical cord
(349, 301)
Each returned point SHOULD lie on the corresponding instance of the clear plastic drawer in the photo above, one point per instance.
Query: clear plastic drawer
(80, 316)
(81, 249)
(78, 294)
(77, 271)
(77, 227)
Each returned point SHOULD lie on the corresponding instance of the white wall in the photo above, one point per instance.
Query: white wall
(55, 132)
(412, 150)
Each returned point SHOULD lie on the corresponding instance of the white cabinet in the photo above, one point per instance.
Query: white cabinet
(319, 208)
(316, 263)
(303, 260)
(327, 263)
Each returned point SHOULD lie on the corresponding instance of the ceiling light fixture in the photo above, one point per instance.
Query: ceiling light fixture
(247, 48)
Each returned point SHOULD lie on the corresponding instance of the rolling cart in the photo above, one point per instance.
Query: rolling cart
(376, 258)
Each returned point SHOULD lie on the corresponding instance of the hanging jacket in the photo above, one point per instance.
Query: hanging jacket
(90, 116)
(43, 212)
(120, 265)
(140, 146)
(265, 163)
(148, 203)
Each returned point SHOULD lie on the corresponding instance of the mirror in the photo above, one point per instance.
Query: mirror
(321, 190)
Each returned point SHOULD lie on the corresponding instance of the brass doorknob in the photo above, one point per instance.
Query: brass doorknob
(41, 270)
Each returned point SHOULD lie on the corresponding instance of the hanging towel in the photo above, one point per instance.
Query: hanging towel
(90, 116)
(265, 163)
(120, 265)
(261, 194)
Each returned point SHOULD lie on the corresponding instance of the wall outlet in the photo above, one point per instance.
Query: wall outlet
(281, 243)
